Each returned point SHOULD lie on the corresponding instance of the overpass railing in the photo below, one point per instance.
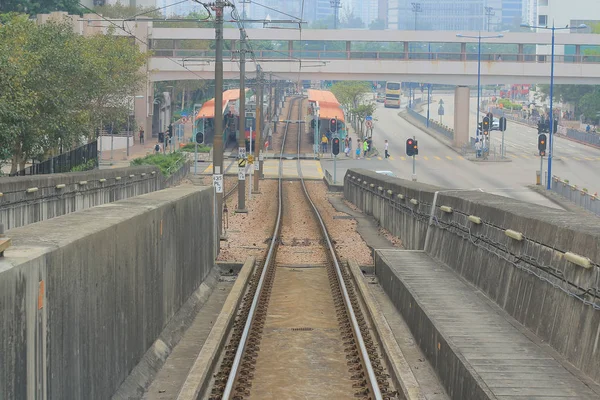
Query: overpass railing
(579, 196)
(380, 55)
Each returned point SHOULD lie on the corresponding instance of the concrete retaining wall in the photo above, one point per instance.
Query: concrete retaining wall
(83, 296)
(531, 278)
(81, 190)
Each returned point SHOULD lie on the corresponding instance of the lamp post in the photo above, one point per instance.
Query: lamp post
(551, 123)
(478, 37)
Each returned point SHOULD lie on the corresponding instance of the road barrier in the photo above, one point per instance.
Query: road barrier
(579, 196)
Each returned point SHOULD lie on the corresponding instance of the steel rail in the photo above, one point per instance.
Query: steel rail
(227, 393)
(355, 327)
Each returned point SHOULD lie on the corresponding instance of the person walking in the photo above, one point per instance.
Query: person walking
(365, 148)
(477, 148)
(141, 136)
(358, 150)
(387, 155)
(324, 142)
(350, 143)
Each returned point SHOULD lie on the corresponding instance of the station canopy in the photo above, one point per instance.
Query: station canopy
(329, 106)
(208, 108)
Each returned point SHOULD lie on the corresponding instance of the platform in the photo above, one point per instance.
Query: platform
(478, 350)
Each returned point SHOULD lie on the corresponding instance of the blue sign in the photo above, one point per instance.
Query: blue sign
(369, 118)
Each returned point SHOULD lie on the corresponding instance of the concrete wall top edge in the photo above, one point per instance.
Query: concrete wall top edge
(556, 228)
(22, 183)
(32, 241)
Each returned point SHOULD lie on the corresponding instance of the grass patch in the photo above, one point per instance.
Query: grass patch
(167, 163)
(191, 147)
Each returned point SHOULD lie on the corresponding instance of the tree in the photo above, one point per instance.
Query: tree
(377, 25)
(119, 10)
(589, 105)
(57, 85)
(33, 7)
(352, 97)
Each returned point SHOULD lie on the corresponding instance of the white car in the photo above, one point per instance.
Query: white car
(388, 173)
(496, 124)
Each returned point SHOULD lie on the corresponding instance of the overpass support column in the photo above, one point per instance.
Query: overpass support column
(520, 53)
(144, 98)
(463, 52)
(462, 98)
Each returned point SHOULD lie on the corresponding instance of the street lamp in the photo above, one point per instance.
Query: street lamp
(479, 37)
(551, 123)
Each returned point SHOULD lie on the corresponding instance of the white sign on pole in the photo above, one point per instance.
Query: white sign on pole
(241, 173)
(256, 166)
(218, 183)
(241, 152)
(261, 156)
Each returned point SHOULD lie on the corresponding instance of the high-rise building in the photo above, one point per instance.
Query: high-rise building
(465, 15)
(512, 12)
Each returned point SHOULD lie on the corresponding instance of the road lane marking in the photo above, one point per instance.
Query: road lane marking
(437, 158)
(449, 158)
(524, 156)
(403, 158)
(391, 158)
(426, 158)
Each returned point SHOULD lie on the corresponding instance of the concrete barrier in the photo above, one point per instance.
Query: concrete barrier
(28, 199)
(83, 296)
(541, 265)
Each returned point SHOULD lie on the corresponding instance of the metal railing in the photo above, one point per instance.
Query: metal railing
(447, 132)
(383, 55)
(64, 162)
(579, 196)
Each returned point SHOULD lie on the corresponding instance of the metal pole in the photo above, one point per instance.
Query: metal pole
(112, 140)
(218, 122)
(334, 167)
(478, 82)
(249, 183)
(196, 157)
(428, 101)
(551, 142)
(414, 175)
(128, 126)
(503, 153)
(542, 170)
(259, 128)
(242, 128)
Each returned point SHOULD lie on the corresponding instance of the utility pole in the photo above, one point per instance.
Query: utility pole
(489, 13)
(416, 8)
(217, 7)
(336, 5)
(259, 127)
(242, 128)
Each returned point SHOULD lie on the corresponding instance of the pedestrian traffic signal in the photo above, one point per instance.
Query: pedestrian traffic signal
(199, 137)
(480, 128)
(412, 148)
(333, 125)
(336, 146)
(542, 144)
(540, 128)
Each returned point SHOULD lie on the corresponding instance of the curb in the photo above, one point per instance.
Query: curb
(424, 129)
(560, 201)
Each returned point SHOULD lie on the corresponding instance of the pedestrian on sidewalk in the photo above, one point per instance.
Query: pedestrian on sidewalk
(358, 150)
(324, 142)
(477, 148)
(141, 136)
(365, 148)
(387, 155)
(350, 143)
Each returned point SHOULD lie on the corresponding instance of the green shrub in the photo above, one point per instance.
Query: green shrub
(89, 165)
(509, 105)
(190, 147)
(167, 163)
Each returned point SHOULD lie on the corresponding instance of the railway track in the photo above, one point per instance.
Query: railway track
(300, 332)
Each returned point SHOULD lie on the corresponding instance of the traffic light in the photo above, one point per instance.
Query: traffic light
(333, 125)
(502, 124)
(336, 146)
(412, 148)
(542, 144)
(540, 128)
(199, 137)
(480, 128)
(170, 130)
(486, 124)
(161, 137)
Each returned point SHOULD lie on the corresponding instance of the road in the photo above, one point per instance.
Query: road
(573, 161)
(439, 165)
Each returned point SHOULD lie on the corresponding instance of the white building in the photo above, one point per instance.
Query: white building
(562, 13)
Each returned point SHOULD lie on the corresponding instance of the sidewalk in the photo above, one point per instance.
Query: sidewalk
(137, 150)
